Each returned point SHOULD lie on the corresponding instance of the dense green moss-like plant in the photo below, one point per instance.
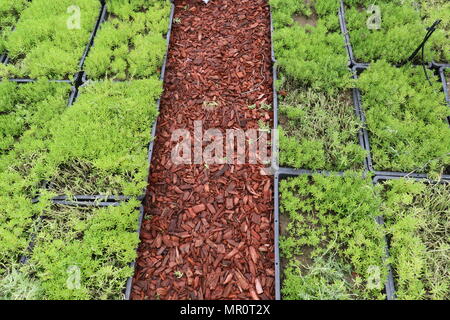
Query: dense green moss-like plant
(319, 131)
(50, 38)
(131, 43)
(10, 11)
(406, 119)
(401, 30)
(84, 253)
(25, 106)
(332, 244)
(418, 223)
(16, 285)
(313, 54)
(100, 144)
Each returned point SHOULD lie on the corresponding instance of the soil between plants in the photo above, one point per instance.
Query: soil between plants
(208, 230)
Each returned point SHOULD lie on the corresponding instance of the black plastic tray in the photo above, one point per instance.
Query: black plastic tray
(352, 61)
(82, 203)
(389, 284)
(358, 69)
(5, 59)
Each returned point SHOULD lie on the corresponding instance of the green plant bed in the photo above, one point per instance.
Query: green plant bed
(417, 218)
(10, 11)
(80, 253)
(401, 30)
(100, 144)
(48, 41)
(406, 119)
(131, 44)
(331, 245)
(26, 112)
(319, 127)
(309, 46)
(28, 107)
(319, 131)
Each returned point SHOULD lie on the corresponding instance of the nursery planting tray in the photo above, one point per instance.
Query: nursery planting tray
(81, 202)
(5, 59)
(284, 174)
(83, 80)
(352, 61)
(378, 179)
(358, 69)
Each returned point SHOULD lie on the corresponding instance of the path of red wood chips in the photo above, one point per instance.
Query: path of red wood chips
(214, 225)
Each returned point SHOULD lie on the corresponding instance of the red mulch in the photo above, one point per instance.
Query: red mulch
(214, 224)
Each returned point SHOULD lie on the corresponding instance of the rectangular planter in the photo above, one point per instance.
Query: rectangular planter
(357, 70)
(81, 206)
(388, 285)
(6, 60)
(100, 55)
(355, 61)
(313, 144)
(380, 179)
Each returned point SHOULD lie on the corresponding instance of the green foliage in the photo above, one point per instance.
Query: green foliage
(10, 11)
(100, 144)
(25, 106)
(324, 279)
(331, 222)
(16, 285)
(95, 246)
(402, 29)
(29, 109)
(319, 131)
(418, 222)
(43, 45)
(312, 56)
(405, 118)
(131, 43)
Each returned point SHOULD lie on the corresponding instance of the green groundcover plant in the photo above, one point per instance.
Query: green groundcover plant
(318, 125)
(10, 11)
(406, 119)
(332, 245)
(26, 112)
(418, 223)
(76, 153)
(131, 43)
(319, 131)
(50, 38)
(79, 253)
(310, 54)
(85, 156)
(25, 106)
(400, 30)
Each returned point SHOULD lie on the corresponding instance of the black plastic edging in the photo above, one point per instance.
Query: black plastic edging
(363, 133)
(389, 285)
(442, 71)
(275, 154)
(344, 30)
(158, 103)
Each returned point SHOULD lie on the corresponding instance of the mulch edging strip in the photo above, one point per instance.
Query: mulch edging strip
(209, 233)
